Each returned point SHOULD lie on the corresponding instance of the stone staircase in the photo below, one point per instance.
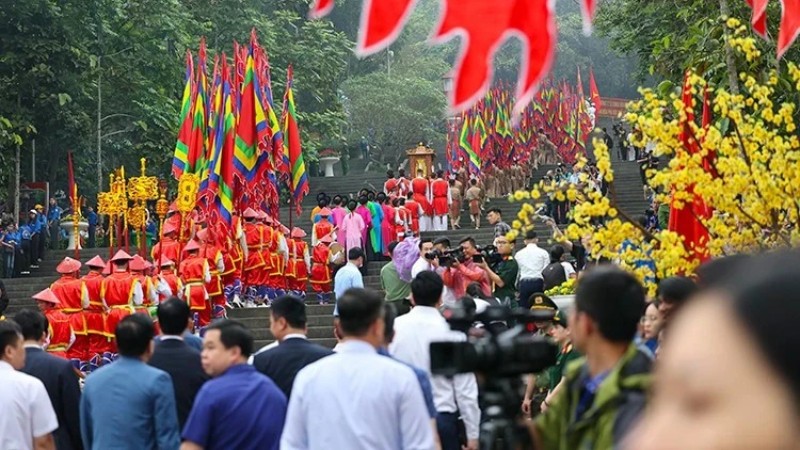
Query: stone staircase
(320, 320)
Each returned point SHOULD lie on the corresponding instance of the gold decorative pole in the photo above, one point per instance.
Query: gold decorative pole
(76, 216)
(140, 190)
(162, 207)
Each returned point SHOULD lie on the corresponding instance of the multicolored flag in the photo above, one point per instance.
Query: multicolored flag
(594, 93)
(292, 148)
(246, 153)
(222, 175)
(181, 157)
(466, 143)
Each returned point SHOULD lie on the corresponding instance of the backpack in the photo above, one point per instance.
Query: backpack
(554, 275)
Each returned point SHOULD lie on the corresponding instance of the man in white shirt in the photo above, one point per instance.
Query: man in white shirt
(28, 419)
(357, 399)
(349, 276)
(531, 261)
(422, 264)
(414, 333)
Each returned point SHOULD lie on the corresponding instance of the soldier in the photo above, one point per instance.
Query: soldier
(321, 279)
(216, 264)
(59, 329)
(235, 254)
(120, 292)
(168, 277)
(299, 262)
(71, 292)
(168, 247)
(95, 314)
(440, 192)
(195, 275)
(323, 227)
(254, 262)
(280, 255)
(267, 287)
(421, 187)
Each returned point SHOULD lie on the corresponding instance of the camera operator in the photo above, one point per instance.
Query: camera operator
(602, 397)
(503, 272)
(414, 333)
(429, 254)
(464, 271)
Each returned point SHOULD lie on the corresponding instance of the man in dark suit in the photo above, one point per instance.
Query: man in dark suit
(58, 376)
(174, 356)
(287, 322)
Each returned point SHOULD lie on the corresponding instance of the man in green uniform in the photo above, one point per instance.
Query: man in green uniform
(560, 333)
(503, 273)
(605, 393)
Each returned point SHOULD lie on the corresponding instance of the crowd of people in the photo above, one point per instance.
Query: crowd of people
(376, 388)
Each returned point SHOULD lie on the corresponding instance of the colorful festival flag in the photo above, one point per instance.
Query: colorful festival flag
(292, 147)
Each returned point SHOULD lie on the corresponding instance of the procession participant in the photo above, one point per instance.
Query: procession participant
(216, 264)
(324, 227)
(375, 232)
(58, 324)
(421, 188)
(473, 196)
(95, 314)
(71, 292)
(138, 267)
(266, 292)
(280, 256)
(321, 258)
(455, 204)
(352, 229)
(120, 291)
(414, 213)
(195, 275)
(388, 233)
(254, 262)
(168, 277)
(168, 247)
(298, 263)
(403, 183)
(440, 192)
(404, 219)
(235, 254)
(338, 211)
(366, 215)
(391, 187)
(322, 202)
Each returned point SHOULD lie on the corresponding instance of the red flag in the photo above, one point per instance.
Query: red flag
(759, 19)
(790, 22)
(594, 93)
(587, 9)
(686, 220)
(71, 180)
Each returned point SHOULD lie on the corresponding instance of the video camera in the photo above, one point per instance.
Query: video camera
(447, 257)
(487, 253)
(506, 353)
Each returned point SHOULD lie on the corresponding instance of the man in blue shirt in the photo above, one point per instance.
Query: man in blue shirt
(91, 219)
(53, 223)
(240, 408)
(348, 276)
(128, 404)
(10, 243)
(35, 228)
(26, 249)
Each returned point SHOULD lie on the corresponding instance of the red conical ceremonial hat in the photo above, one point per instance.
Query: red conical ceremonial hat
(167, 262)
(298, 233)
(121, 256)
(192, 246)
(284, 229)
(325, 212)
(327, 239)
(68, 265)
(137, 264)
(46, 296)
(96, 262)
(250, 213)
(170, 227)
(202, 234)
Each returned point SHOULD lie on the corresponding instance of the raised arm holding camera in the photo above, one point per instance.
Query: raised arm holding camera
(464, 269)
(502, 270)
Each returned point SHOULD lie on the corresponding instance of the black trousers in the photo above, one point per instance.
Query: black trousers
(528, 287)
(447, 426)
(92, 231)
(33, 254)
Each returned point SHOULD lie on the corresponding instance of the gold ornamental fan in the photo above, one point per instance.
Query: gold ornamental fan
(105, 204)
(137, 216)
(162, 207)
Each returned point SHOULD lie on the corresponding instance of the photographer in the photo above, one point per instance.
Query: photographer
(464, 270)
(503, 272)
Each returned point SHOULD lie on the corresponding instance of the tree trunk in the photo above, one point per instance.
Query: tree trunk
(730, 61)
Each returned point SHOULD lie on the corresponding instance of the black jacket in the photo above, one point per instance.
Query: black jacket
(282, 363)
(182, 363)
(61, 382)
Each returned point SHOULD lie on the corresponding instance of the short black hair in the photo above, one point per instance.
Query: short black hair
(556, 252)
(134, 335)
(496, 211)
(291, 308)
(427, 288)
(530, 235)
(32, 323)
(392, 246)
(355, 253)
(675, 291)
(233, 334)
(389, 314)
(468, 239)
(474, 290)
(614, 299)
(173, 316)
(358, 310)
(714, 272)
(424, 241)
(442, 241)
(10, 334)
